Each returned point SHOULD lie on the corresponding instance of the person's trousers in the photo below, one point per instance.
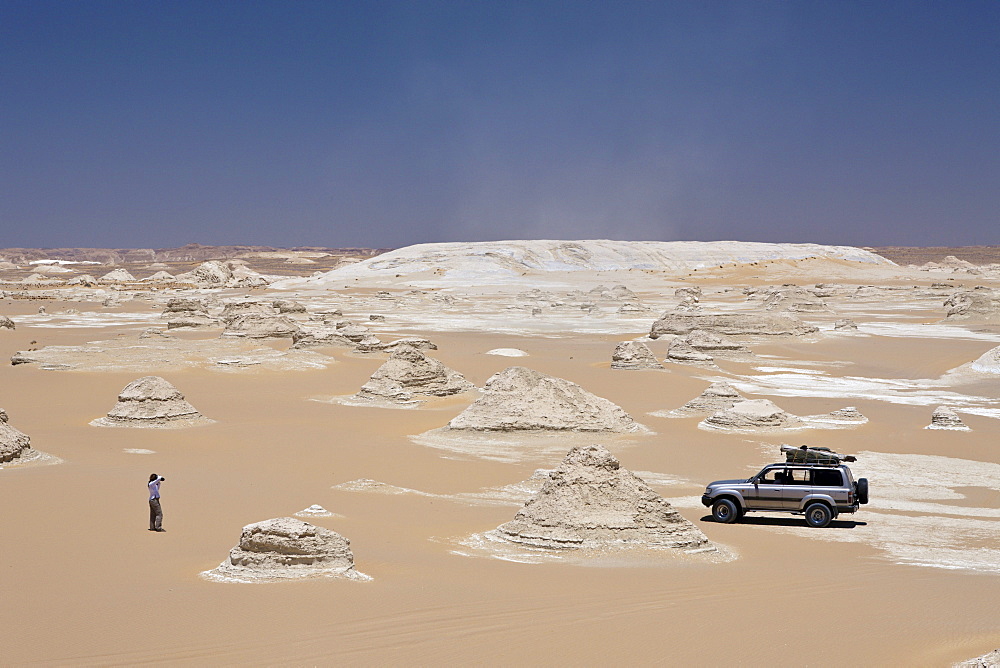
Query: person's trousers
(155, 515)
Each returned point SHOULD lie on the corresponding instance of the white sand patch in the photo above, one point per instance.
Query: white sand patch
(913, 392)
(138, 451)
(507, 352)
(925, 331)
(97, 319)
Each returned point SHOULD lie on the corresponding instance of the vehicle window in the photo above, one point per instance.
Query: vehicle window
(827, 478)
(798, 477)
(772, 477)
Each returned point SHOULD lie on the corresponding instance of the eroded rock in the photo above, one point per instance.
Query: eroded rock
(590, 501)
(522, 399)
(634, 355)
(731, 324)
(752, 415)
(151, 401)
(409, 374)
(945, 418)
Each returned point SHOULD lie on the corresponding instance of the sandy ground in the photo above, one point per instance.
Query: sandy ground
(912, 579)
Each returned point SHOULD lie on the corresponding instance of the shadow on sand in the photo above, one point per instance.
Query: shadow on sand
(788, 522)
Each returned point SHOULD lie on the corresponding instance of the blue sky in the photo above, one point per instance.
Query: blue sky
(155, 124)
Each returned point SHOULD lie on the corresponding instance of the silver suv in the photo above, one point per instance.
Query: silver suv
(819, 490)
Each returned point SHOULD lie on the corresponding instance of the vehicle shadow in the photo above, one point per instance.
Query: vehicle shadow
(787, 522)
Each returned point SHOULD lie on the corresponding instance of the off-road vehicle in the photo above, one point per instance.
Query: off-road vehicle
(814, 482)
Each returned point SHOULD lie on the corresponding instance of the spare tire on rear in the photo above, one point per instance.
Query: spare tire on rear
(862, 490)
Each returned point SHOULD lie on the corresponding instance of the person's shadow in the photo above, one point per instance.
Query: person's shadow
(787, 522)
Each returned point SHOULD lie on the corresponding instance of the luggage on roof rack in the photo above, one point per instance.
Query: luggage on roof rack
(816, 455)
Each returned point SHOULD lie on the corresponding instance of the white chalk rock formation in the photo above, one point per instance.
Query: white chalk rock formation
(522, 399)
(589, 501)
(314, 510)
(634, 355)
(978, 305)
(409, 374)
(988, 362)
(6, 323)
(731, 324)
(117, 276)
(160, 277)
(717, 345)
(86, 280)
(945, 418)
(752, 415)
(187, 312)
(253, 326)
(314, 337)
(14, 444)
(988, 660)
(234, 309)
(372, 344)
(151, 401)
(209, 274)
(845, 324)
(288, 306)
(682, 352)
(795, 299)
(286, 548)
(847, 415)
(716, 397)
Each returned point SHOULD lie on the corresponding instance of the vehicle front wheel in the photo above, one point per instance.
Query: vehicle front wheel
(818, 515)
(725, 511)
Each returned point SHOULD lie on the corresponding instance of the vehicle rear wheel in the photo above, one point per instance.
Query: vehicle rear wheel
(725, 511)
(862, 490)
(818, 515)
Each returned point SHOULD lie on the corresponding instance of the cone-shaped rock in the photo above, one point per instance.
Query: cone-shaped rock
(285, 548)
(13, 442)
(634, 355)
(716, 397)
(752, 415)
(848, 414)
(945, 418)
(409, 373)
(151, 401)
(522, 399)
(590, 501)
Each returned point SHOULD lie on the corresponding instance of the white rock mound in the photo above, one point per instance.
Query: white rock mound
(988, 362)
(846, 415)
(752, 415)
(522, 399)
(117, 276)
(285, 548)
(255, 326)
(988, 660)
(151, 401)
(498, 261)
(6, 323)
(589, 501)
(980, 304)
(716, 397)
(634, 355)
(945, 418)
(409, 374)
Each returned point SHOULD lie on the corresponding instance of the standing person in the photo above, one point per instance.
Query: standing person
(155, 512)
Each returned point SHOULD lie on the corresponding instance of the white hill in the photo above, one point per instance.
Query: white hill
(507, 261)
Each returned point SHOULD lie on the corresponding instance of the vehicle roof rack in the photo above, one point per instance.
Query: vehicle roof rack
(816, 456)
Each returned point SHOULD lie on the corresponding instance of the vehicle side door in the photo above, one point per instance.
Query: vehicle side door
(798, 485)
(768, 488)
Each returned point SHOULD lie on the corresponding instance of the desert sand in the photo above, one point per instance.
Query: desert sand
(911, 579)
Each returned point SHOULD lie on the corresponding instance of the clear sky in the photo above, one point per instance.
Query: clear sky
(349, 123)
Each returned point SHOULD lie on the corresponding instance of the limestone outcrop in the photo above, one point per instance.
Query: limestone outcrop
(988, 362)
(286, 548)
(288, 306)
(634, 355)
(731, 324)
(254, 326)
(847, 415)
(522, 399)
(945, 418)
(978, 305)
(409, 374)
(14, 443)
(590, 501)
(234, 309)
(314, 337)
(682, 352)
(187, 312)
(117, 276)
(6, 323)
(752, 415)
(151, 401)
(845, 325)
(716, 397)
(988, 660)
